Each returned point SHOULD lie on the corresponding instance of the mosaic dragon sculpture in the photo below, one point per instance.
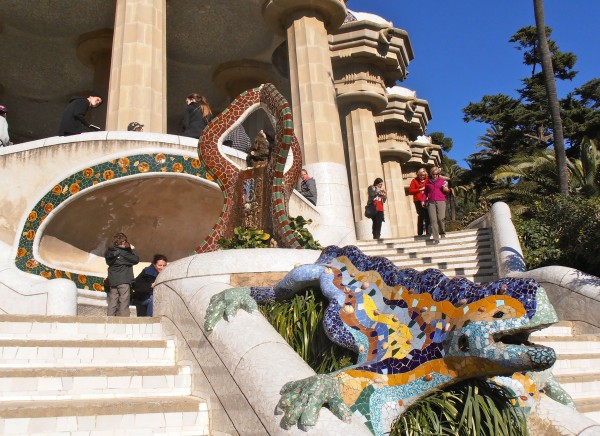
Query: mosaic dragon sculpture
(413, 332)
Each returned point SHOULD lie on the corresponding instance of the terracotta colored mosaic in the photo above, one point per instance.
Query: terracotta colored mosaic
(227, 175)
(413, 331)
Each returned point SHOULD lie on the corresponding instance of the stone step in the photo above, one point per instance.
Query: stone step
(141, 416)
(569, 364)
(72, 327)
(571, 345)
(590, 407)
(581, 385)
(434, 250)
(449, 262)
(449, 235)
(422, 241)
(75, 383)
(462, 271)
(562, 328)
(46, 353)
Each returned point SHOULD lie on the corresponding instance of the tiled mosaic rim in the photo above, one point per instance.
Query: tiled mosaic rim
(121, 167)
(227, 174)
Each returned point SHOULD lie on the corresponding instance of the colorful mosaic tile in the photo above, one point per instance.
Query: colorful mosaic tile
(227, 175)
(413, 332)
(88, 178)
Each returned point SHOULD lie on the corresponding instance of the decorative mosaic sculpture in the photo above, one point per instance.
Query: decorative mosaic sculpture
(240, 186)
(413, 332)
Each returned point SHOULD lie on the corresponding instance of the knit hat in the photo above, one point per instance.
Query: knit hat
(134, 125)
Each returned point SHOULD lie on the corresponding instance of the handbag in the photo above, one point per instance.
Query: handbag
(370, 211)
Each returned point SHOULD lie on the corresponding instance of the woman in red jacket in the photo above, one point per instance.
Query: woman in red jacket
(417, 190)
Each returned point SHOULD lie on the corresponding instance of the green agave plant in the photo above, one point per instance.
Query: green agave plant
(302, 234)
(472, 407)
(299, 322)
(245, 238)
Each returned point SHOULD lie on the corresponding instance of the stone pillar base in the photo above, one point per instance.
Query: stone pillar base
(364, 229)
(336, 225)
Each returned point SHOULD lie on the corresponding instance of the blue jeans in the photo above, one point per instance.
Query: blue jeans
(149, 303)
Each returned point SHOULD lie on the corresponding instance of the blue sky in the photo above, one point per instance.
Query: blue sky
(462, 52)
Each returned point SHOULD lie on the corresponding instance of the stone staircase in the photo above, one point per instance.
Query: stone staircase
(94, 375)
(466, 253)
(577, 366)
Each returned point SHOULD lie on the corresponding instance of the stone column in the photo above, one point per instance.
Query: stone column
(398, 126)
(94, 50)
(306, 24)
(364, 162)
(138, 76)
(399, 204)
(365, 57)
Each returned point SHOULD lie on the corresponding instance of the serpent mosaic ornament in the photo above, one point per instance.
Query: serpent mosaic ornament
(413, 332)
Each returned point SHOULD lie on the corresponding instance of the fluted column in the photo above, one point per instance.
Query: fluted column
(306, 24)
(399, 204)
(365, 165)
(138, 77)
(398, 125)
(366, 56)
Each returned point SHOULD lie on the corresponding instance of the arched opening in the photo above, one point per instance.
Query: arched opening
(160, 213)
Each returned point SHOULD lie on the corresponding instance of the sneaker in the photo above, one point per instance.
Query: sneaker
(443, 236)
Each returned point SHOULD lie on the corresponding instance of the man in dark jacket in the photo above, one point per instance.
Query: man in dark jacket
(120, 258)
(73, 120)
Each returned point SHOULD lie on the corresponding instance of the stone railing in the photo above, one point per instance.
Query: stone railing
(242, 364)
(27, 294)
(574, 294)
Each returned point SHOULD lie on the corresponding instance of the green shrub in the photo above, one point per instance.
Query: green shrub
(249, 238)
(302, 234)
(562, 231)
(472, 407)
(300, 322)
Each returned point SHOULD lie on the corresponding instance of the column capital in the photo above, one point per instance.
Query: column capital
(92, 44)
(406, 111)
(233, 78)
(360, 85)
(279, 13)
(386, 48)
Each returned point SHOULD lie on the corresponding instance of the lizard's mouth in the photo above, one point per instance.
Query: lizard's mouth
(515, 338)
(517, 343)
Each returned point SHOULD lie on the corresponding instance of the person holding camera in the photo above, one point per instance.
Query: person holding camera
(436, 190)
(120, 259)
(377, 196)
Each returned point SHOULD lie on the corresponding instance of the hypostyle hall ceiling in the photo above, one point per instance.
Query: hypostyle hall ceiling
(40, 70)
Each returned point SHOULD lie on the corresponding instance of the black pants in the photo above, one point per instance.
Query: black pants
(422, 218)
(377, 220)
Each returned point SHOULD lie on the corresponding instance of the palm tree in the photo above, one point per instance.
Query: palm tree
(548, 72)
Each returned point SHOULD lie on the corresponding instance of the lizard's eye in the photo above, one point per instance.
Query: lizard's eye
(463, 343)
